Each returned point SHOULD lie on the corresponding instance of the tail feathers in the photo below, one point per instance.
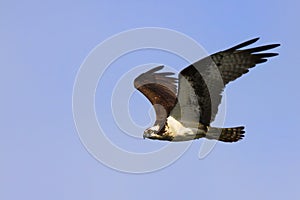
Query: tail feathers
(233, 134)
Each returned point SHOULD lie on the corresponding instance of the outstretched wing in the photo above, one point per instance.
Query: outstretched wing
(160, 89)
(208, 77)
(233, 62)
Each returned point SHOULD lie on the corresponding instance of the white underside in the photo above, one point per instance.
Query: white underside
(179, 131)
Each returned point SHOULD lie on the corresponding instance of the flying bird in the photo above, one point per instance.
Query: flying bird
(186, 106)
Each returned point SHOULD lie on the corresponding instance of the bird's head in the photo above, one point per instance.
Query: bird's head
(152, 132)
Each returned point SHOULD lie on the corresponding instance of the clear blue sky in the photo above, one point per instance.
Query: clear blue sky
(43, 44)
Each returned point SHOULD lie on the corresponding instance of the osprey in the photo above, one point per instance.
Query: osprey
(186, 113)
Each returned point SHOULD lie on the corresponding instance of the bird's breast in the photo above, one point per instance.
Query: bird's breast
(178, 131)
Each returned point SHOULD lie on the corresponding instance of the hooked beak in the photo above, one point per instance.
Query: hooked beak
(145, 135)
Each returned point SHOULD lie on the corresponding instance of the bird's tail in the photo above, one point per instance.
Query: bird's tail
(226, 134)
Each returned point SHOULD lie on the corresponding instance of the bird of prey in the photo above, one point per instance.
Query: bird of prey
(186, 113)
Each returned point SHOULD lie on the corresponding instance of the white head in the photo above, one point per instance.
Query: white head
(152, 132)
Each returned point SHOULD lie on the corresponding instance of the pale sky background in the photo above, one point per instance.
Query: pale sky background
(43, 44)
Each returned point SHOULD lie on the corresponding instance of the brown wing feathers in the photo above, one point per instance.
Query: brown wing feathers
(160, 89)
(232, 63)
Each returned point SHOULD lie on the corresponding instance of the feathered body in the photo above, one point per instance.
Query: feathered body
(185, 112)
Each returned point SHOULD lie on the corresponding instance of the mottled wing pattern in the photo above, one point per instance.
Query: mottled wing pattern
(199, 92)
(233, 62)
(209, 76)
(160, 89)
